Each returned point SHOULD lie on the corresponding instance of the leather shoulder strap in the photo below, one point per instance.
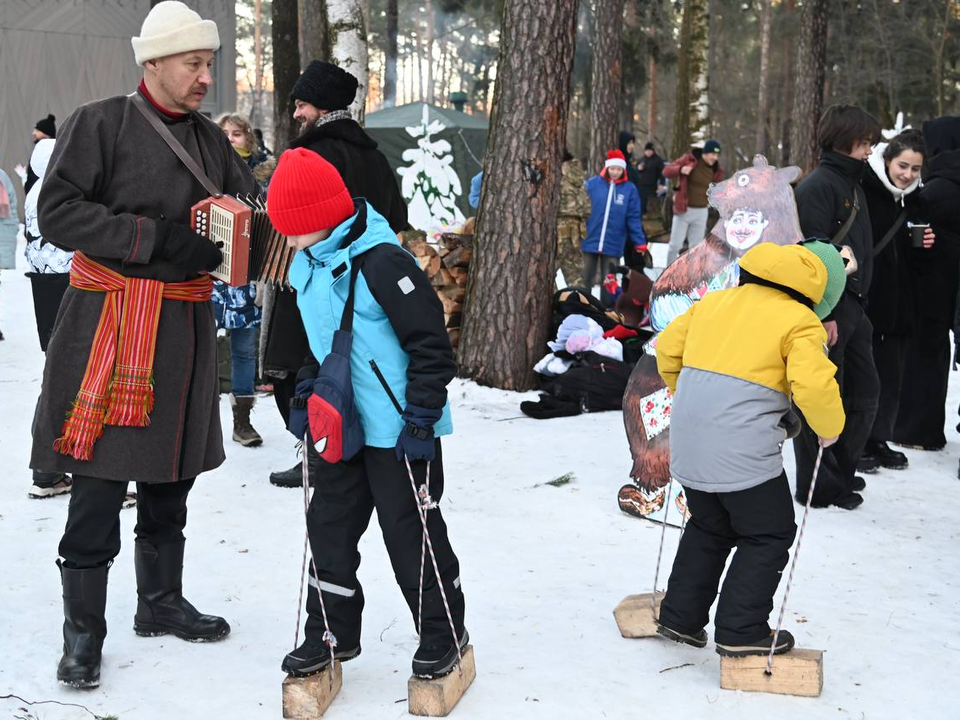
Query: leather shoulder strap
(842, 233)
(164, 132)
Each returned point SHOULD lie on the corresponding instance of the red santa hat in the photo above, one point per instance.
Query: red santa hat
(615, 158)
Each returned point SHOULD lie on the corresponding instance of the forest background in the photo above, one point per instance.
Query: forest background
(735, 66)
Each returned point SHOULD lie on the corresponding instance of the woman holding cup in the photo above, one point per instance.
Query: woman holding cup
(901, 248)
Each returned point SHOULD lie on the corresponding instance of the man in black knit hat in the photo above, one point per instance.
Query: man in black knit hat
(322, 94)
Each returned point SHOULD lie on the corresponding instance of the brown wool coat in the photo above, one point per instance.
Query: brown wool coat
(110, 177)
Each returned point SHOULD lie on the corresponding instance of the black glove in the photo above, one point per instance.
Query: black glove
(182, 246)
(416, 439)
(297, 424)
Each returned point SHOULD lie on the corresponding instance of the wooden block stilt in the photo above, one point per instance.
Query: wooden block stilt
(798, 672)
(635, 617)
(437, 697)
(307, 698)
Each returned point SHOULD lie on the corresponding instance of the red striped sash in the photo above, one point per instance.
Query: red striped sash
(117, 386)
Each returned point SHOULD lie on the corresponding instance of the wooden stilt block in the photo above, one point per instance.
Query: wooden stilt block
(307, 698)
(437, 697)
(798, 672)
(635, 616)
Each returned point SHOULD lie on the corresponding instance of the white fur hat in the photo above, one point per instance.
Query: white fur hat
(170, 28)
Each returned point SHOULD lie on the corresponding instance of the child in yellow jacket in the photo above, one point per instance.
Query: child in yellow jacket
(734, 360)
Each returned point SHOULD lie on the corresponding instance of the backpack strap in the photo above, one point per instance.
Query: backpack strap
(346, 320)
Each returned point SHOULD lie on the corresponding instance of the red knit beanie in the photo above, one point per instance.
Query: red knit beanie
(306, 194)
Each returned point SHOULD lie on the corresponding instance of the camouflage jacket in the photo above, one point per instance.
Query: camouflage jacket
(574, 201)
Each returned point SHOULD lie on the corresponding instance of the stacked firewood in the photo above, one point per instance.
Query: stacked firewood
(446, 264)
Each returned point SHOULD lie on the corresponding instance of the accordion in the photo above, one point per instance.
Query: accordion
(252, 249)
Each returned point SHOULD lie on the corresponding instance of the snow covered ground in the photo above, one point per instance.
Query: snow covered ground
(543, 567)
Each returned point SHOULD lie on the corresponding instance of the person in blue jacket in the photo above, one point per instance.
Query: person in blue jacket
(401, 361)
(614, 218)
(474, 197)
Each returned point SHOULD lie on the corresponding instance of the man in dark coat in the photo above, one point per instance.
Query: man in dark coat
(927, 367)
(650, 170)
(322, 93)
(140, 397)
(826, 199)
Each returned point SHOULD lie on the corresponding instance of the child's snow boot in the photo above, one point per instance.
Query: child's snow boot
(243, 431)
(760, 647)
(311, 658)
(698, 640)
(438, 657)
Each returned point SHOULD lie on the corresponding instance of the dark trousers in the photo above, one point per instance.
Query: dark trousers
(48, 290)
(889, 355)
(594, 265)
(923, 397)
(860, 390)
(92, 534)
(758, 522)
(283, 391)
(345, 496)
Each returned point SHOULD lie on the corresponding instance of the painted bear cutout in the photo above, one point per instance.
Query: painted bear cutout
(756, 204)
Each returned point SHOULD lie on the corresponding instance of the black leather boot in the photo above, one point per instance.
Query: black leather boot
(161, 607)
(84, 625)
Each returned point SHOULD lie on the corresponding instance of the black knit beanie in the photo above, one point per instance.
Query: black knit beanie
(48, 126)
(325, 86)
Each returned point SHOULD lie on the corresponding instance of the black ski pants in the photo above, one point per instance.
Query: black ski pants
(92, 534)
(759, 523)
(345, 496)
(889, 354)
(860, 390)
(923, 397)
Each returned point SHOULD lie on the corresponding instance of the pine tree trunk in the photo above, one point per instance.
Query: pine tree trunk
(314, 38)
(605, 81)
(788, 88)
(763, 102)
(809, 86)
(509, 293)
(286, 69)
(390, 71)
(348, 46)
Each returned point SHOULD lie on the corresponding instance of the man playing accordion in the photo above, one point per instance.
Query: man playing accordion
(131, 363)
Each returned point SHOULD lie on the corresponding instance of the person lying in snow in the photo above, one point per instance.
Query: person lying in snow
(399, 352)
(734, 360)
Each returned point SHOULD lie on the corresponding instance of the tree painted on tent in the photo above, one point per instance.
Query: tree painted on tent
(429, 183)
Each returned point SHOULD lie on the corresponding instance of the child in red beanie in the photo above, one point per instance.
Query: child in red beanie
(371, 449)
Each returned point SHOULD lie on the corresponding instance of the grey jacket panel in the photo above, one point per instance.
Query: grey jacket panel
(726, 434)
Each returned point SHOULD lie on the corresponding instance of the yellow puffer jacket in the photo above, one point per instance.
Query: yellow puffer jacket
(735, 358)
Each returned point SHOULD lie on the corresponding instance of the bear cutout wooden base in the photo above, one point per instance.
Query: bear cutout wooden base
(797, 672)
(307, 698)
(437, 697)
(636, 616)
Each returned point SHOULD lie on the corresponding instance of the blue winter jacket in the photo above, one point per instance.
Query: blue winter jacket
(614, 217)
(398, 328)
(474, 197)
